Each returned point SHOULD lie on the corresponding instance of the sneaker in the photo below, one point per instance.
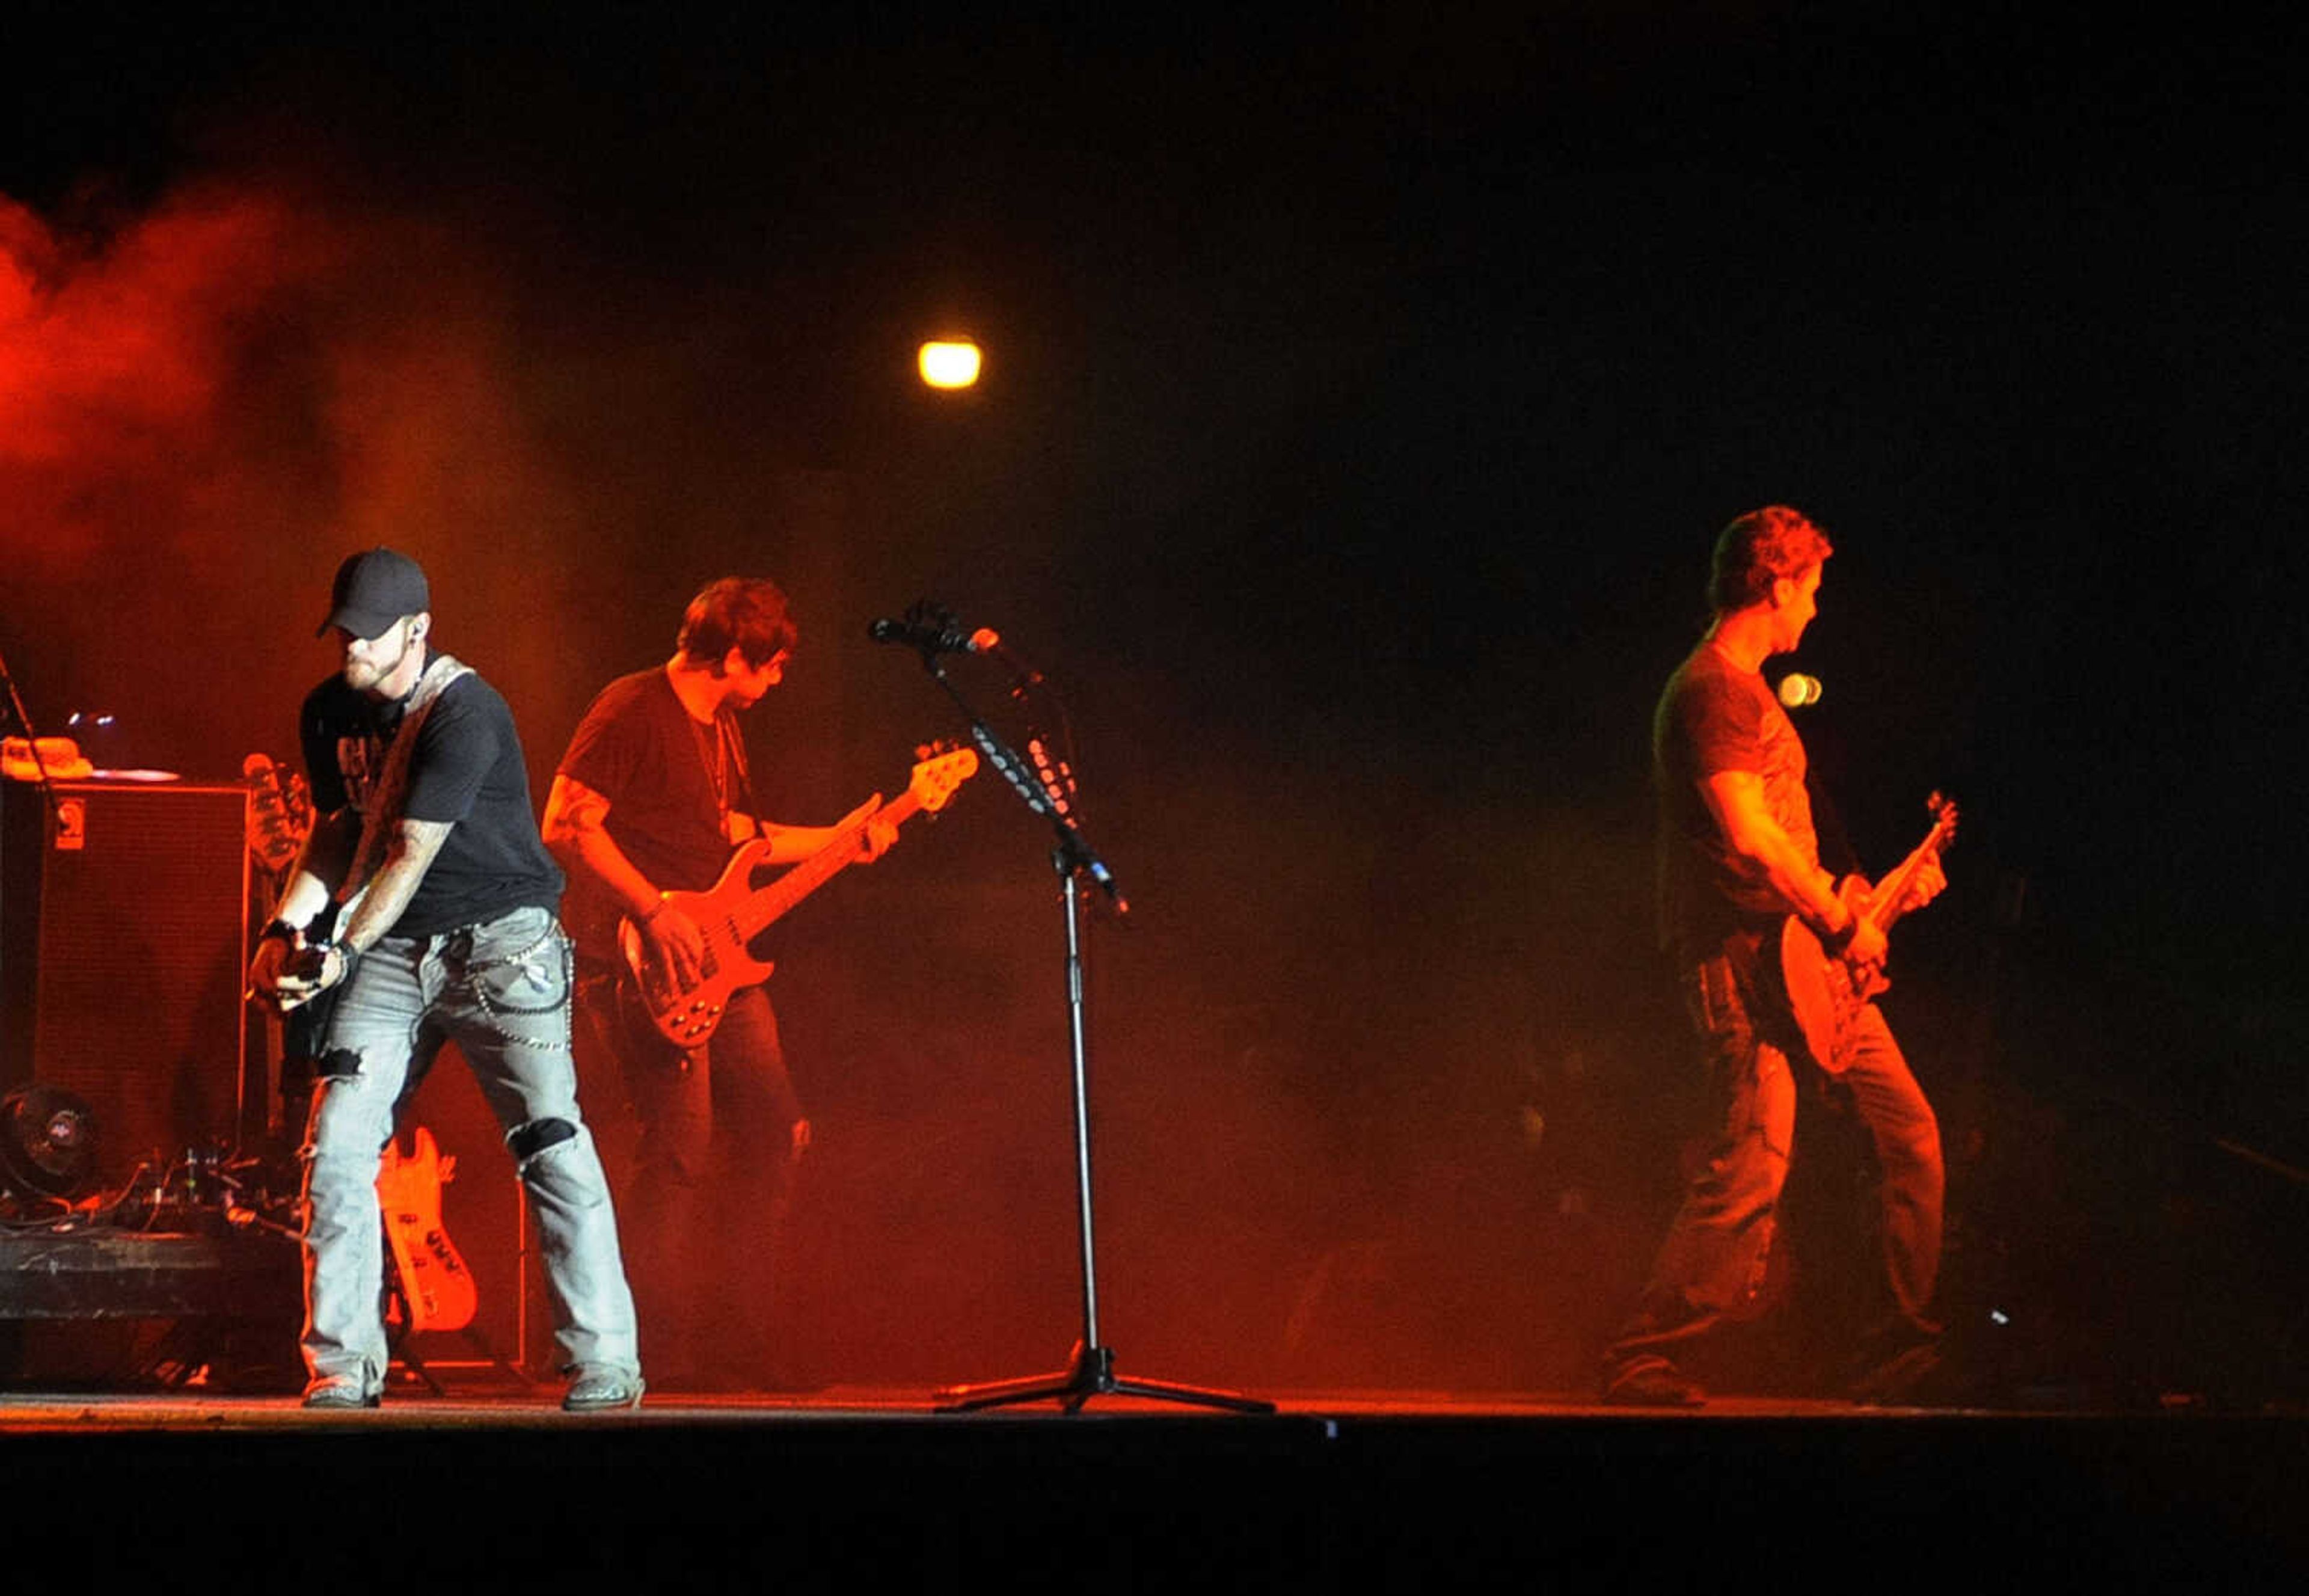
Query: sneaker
(1893, 1362)
(1901, 1380)
(601, 1388)
(1654, 1382)
(339, 1393)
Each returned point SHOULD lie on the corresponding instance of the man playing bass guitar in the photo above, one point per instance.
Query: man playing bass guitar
(650, 799)
(1738, 858)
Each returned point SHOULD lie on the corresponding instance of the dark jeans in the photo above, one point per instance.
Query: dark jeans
(1713, 1259)
(706, 1203)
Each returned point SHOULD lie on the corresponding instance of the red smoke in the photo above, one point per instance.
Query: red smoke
(116, 355)
(202, 410)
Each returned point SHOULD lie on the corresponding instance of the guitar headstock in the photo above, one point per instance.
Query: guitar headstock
(1943, 811)
(940, 768)
(279, 812)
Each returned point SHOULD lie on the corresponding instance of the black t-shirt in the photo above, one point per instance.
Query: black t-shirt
(467, 770)
(1712, 717)
(669, 782)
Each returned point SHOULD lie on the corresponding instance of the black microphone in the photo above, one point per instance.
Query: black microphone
(932, 632)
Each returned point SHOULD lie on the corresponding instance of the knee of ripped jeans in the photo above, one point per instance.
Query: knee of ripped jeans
(528, 1141)
(337, 1063)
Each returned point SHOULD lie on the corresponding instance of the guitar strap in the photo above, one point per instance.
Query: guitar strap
(736, 741)
(392, 791)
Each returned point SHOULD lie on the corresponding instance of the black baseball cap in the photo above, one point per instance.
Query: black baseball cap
(375, 589)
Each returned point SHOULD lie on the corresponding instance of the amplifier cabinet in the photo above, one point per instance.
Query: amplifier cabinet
(124, 938)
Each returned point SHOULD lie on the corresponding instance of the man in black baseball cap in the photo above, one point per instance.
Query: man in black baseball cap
(422, 910)
(374, 590)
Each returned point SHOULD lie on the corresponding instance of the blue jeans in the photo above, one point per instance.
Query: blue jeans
(500, 992)
(1712, 1263)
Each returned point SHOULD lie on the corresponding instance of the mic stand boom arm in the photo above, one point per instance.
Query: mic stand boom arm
(1091, 1372)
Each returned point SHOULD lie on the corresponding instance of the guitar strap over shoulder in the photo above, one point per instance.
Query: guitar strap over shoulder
(392, 792)
(736, 741)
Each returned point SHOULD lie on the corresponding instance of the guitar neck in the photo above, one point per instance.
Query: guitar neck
(1892, 899)
(763, 909)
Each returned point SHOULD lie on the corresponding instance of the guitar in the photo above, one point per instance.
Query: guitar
(280, 814)
(437, 1289)
(1824, 993)
(280, 818)
(733, 911)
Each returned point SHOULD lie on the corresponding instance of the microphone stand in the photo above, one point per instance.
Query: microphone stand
(1090, 1373)
(42, 779)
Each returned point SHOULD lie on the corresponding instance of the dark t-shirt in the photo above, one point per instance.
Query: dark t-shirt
(1713, 717)
(467, 769)
(638, 747)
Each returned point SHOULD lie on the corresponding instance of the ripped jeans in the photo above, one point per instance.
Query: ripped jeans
(500, 990)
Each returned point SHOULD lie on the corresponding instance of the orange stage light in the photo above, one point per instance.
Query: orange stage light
(950, 363)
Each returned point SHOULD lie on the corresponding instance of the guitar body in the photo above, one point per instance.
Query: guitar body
(731, 912)
(1823, 995)
(1824, 991)
(436, 1287)
(687, 1016)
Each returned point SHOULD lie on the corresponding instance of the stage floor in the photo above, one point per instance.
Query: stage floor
(1400, 1489)
(498, 1402)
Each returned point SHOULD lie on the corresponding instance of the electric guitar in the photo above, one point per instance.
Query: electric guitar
(436, 1288)
(1825, 993)
(733, 911)
(280, 814)
(280, 818)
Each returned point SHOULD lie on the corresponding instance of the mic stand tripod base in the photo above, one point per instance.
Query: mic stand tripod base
(1091, 1374)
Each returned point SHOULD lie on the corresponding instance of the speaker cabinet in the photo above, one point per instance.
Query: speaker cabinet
(124, 932)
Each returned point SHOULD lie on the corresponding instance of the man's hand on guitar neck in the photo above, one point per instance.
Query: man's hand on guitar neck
(877, 839)
(1867, 948)
(874, 838)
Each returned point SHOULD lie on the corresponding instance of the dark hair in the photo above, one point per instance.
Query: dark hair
(1757, 549)
(747, 613)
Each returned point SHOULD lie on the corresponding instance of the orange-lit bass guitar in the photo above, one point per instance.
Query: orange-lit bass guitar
(733, 911)
(1825, 994)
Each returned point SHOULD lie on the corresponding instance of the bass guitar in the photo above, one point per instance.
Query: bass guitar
(733, 911)
(1825, 993)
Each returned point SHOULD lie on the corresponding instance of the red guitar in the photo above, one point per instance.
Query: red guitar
(435, 1285)
(1824, 991)
(733, 911)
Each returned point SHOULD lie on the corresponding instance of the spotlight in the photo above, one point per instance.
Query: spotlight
(950, 363)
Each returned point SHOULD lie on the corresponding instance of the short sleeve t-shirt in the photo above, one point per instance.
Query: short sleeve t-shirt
(1712, 717)
(467, 770)
(669, 780)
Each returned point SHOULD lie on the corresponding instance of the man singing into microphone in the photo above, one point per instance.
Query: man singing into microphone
(1738, 855)
(650, 798)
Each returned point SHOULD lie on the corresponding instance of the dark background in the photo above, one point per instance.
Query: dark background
(1361, 405)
